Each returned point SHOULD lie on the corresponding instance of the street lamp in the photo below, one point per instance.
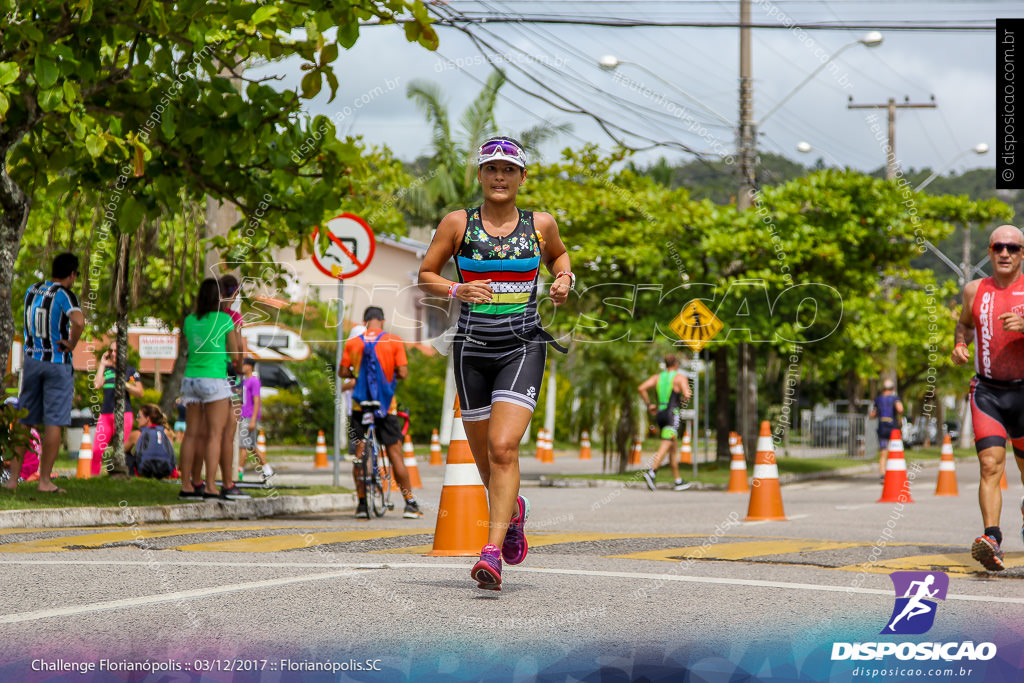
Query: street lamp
(980, 148)
(805, 147)
(611, 62)
(869, 39)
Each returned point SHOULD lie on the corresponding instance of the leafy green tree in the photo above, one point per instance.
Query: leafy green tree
(150, 108)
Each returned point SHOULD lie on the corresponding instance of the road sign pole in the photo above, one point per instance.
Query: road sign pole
(340, 421)
(695, 445)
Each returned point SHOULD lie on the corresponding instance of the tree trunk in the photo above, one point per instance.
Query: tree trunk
(723, 425)
(14, 209)
(625, 431)
(118, 466)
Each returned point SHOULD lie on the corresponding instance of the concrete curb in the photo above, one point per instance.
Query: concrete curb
(185, 512)
(555, 482)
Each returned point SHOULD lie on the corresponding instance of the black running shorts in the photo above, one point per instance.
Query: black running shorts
(486, 375)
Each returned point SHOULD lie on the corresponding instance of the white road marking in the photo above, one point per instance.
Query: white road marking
(166, 597)
(348, 570)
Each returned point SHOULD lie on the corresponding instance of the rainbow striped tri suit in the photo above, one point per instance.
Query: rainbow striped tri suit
(500, 348)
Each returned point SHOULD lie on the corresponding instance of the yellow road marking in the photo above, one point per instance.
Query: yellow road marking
(270, 544)
(739, 551)
(951, 563)
(47, 545)
(542, 538)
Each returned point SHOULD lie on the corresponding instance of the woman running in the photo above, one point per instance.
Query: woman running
(500, 349)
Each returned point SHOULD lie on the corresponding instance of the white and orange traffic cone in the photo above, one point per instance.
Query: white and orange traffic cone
(549, 451)
(320, 459)
(766, 496)
(585, 446)
(636, 456)
(462, 515)
(261, 446)
(1002, 482)
(737, 466)
(409, 458)
(85, 455)
(946, 484)
(686, 450)
(539, 454)
(896, 488)
(435, 449)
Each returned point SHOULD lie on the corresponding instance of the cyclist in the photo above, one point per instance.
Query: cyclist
(380, 357)
(500, 349)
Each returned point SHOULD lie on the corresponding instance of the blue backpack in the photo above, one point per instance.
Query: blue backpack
(372, 385)
(154, 454)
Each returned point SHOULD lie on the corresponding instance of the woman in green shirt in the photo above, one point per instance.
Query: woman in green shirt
(206, 393)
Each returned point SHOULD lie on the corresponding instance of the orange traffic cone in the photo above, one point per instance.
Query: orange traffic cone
(636, 456)
(540, 445)
(766, 498)
(549, 451)
(261, 446)
(1002, 482)
(462, 515)
(686, 451)
(896, 488)
(85, 455)
(585, 446)
(738, 466)
(435, 449)
(320, 460)
(946, 485)
(409, 458)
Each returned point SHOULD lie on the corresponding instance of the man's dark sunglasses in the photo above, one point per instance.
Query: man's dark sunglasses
(1012, 248)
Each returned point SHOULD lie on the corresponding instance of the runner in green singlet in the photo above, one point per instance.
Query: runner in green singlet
(670, 385)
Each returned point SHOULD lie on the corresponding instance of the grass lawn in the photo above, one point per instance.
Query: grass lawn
(107, 492)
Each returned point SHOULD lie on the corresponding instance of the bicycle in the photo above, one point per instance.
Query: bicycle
(376, 466)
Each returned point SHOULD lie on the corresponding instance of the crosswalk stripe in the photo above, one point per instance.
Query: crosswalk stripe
(738, 551)
(270, 544)
(49, 545)
(951, 563)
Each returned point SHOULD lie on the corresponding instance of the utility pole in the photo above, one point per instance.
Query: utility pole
(746, 141)
(890, 174)
(891, 107)
(746, 365)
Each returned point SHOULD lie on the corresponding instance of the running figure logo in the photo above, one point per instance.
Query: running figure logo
(914, 612)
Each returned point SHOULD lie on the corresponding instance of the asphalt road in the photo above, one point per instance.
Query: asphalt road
(620, 584)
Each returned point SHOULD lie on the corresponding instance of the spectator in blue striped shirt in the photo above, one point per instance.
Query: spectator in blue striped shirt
(53, 324)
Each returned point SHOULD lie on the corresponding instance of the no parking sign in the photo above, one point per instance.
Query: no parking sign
(349, 249)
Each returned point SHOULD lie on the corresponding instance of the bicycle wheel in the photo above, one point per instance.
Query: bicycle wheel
(387, 479)
(374, 489)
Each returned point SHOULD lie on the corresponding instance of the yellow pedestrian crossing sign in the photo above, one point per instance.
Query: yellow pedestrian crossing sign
(696, 325)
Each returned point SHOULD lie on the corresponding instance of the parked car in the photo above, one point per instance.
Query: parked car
(835, 430)
(276, 376)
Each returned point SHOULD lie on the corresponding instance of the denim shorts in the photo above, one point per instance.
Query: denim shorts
(46, 392)
(204, 389)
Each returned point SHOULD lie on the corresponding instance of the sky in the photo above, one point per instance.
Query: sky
(680, 84)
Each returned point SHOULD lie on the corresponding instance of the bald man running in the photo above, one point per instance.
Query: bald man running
(993, 319)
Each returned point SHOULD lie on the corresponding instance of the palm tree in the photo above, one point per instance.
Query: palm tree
(451, 182)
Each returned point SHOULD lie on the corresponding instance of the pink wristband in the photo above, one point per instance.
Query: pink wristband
(452, 289)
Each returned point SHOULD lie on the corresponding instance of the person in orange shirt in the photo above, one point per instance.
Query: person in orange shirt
(381, 362)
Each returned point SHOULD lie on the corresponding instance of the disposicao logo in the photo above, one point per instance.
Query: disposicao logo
(913, 614)
(915, 608)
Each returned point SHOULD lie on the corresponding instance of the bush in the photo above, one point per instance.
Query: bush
(285, 419)
(422, 394)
